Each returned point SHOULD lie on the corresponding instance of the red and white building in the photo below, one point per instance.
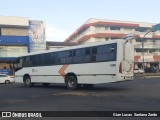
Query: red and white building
(94, 30)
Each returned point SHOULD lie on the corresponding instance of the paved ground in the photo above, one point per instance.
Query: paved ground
(148, 75)
(139, 94)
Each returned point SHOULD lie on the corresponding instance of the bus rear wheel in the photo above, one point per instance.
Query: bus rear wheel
(27, 82)
(71, 82)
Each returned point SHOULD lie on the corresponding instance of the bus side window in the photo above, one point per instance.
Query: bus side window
(52, 59)
(94, 52)
(78, 55)
(87, 56)
(16, 63)
(68, 57)
(61, 56)
(48, 58)
(28, 61)
(56, 59)
(101, 53)
(105, 53)
(34, 61)
(24, 62)
(38, 60)
(20, 63)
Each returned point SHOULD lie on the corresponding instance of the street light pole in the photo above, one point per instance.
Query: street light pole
(142, 39)
(153, 29)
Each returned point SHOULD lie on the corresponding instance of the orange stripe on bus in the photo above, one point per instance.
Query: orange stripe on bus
(61, 71)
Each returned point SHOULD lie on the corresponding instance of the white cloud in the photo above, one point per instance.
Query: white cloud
(56, 34)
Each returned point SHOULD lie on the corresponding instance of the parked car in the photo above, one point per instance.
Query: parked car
(151, 70)
(6, 79)
(138, 70)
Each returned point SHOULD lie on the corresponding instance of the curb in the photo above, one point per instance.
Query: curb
(151, 77)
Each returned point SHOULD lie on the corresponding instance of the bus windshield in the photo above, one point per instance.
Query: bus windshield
(18, 64)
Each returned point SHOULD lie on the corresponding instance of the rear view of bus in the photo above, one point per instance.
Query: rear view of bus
(126, 61)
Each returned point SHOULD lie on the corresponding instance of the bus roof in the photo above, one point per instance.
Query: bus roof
(74, 47)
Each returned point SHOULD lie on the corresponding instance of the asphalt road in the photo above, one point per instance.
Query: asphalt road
(137, 95)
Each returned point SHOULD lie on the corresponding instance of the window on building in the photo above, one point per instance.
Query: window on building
(141, 29)
(138, 50)
(113, 38)
(106, 39)
(106, 28)
(154, 42)
(138, 40)
(115, 28)
(128, 29)
(152, 50)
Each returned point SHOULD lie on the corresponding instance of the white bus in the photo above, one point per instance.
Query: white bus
(82, 65)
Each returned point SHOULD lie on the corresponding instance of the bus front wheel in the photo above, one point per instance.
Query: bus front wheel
(27, 82)
(71, 82)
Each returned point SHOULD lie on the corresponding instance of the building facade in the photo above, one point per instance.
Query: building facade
(51, 45)
(95, 30)
(19, 36)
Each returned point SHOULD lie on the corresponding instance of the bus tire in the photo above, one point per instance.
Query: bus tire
(7, 82)
(27, 82)
(71, 82)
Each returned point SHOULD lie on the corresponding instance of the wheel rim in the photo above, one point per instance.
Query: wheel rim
(70, 83)
(28, 81)
(7, 82)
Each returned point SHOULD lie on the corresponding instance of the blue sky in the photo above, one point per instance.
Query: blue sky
(64, 17)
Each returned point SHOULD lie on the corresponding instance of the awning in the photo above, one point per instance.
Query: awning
(7, 59)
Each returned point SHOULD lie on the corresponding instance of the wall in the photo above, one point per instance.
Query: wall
(14, 31)
(13, 51)
(14, 21)
(14, 40)
(2, 65)
(37, 40)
